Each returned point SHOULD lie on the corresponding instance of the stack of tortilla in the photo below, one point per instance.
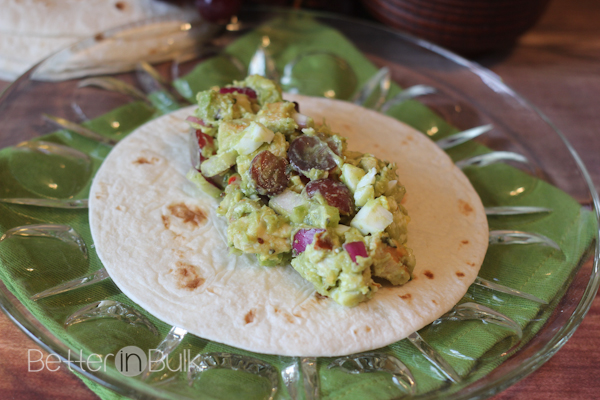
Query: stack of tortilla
(31, 30)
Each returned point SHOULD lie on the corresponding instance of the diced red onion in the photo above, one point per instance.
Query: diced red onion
(203, 139)
(301, 120)
(243, 90)
(198, 140)
(195, 120)
(303, 238)
(195, 151)
(335, 193)
(356, 249)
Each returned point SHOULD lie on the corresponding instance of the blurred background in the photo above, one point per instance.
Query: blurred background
(30, 30)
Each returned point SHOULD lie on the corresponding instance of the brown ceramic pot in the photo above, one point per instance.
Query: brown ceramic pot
(465, 26)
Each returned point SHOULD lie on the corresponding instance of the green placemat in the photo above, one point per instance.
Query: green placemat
(29, 266)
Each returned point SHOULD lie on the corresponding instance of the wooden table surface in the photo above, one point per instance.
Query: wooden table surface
(556, 66)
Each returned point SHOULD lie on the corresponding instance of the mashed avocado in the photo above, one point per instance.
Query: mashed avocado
(292, 191)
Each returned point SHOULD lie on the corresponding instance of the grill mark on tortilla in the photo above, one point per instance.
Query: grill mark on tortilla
(428, 274)
(319, 296)
(287, 316)
(194, 217)
(99, 37)
(188, 277)
(434, 302)
(460, 274)
(166, 221)
(464, 241)
(120, 5)
(471, 264)
(249, 317)
(464, 207)
(178, 253)
(367, 329)
(406, 296)
(144, 160)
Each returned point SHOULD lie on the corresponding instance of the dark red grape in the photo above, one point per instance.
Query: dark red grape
(269, 173)
(308, 152)
(243, 90)
(219, 11)
(333, 145)
(335, 193)
(304, 179)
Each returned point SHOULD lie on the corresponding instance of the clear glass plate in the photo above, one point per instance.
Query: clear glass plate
(50, 181)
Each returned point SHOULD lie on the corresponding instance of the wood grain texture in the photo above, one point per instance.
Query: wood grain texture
(556, 66)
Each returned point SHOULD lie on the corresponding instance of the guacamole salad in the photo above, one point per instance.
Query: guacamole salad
(292, 192)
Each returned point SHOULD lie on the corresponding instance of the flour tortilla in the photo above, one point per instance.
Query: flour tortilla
(182, 272)
(31, 30)
(81, 18)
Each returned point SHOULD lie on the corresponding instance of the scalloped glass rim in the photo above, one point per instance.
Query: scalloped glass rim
(494, 382)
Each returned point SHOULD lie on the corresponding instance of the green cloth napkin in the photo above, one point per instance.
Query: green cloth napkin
(472, 348)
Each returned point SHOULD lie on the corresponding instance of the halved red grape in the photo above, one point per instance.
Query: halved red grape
(243, 90)
(335, 193)
(308, 152)
(268, 172)
(336, 147)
